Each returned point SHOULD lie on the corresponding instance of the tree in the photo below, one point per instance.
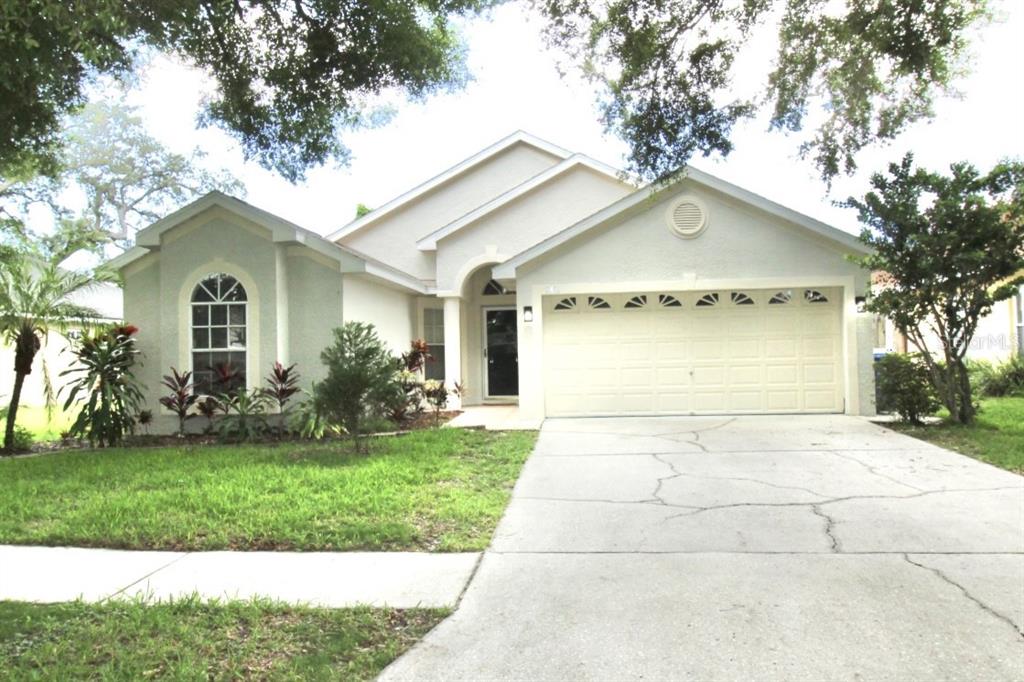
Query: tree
(667, 69)
(952, 246)
(35, 296)
(125, 178)
(361, 374)
(288, 74)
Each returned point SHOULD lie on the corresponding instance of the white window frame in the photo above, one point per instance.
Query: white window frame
(436, 349)
(219, 301)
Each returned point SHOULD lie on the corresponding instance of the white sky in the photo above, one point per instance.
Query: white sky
(516, 86)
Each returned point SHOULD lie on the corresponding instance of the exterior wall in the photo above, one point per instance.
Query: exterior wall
(314, 300)
(54, 356)
(740, 247)
(391, 311)
(392, 239)
(531, 218)
(295, 299)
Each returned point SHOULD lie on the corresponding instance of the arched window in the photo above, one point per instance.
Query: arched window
(219, 335)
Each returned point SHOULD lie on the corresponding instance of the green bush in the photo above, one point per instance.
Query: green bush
(902, 387)
(23, 438)
(361, 376)
(996, 381)
(102, 377)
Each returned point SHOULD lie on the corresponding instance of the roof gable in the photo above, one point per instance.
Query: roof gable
(429, 242)
(641, 199)
(519, 137)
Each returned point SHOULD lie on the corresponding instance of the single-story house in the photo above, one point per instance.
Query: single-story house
(538, 277)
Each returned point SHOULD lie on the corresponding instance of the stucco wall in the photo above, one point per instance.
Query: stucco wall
(392, 239)
(527, 220)
(391, 311)
(741, 245)
(158, 291)
(55, 353)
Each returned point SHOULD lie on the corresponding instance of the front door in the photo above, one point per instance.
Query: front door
(501, 353)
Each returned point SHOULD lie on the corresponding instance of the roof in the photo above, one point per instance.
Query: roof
(845, 240)
(283, 231)
(429, 243)
(518, 137)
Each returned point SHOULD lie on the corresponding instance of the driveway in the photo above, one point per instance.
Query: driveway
(797, 548)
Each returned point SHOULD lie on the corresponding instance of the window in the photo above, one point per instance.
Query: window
(219, 335)
(781, 298)
(636, 302)
(598, 303)
(494, 288)
(739, 298)
(707, 300)
(433, 334)
(669, 301)
(566, 304)
(812, 296)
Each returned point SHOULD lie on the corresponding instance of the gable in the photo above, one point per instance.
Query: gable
(528, 219)
(392, 238)
(739, 241)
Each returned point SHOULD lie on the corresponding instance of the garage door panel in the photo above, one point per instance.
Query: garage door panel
(724, 358)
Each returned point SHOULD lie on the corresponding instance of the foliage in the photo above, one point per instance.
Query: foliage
(668, 70)
(996, 437)
(208, 407)
(23, 438)
(288, 75)
(362, 209)
(996, 381)
(429, 490)
(181, 397)
(416, 357)
(145, 419)
(126, 177)
(307, 422)
(404, 399)
(103, 378)
(35, 299)
(283, 383)
(189, 638)
(360, 377)
(952, 246)
(902, 386)
(246, 416)
(436, 395)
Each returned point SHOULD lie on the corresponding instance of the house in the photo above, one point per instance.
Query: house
(1000, 334)
(539, 277)
(55, 353)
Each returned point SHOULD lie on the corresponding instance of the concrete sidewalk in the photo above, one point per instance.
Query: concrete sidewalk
(336, 579)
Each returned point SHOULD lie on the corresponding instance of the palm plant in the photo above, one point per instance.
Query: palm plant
(34, 300)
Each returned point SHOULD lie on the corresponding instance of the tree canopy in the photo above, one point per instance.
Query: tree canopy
(111, 178)
(952, 246)
(856, 72)
(288, 74)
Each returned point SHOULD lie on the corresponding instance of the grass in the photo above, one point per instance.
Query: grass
(996, 437)
(192, 640)
(435, 490)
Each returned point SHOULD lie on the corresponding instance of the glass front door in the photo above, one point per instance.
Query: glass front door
(501, 352)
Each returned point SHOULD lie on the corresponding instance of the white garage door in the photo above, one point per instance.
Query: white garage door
(693, 353)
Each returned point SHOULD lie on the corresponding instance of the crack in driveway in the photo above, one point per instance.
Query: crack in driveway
(829, 527)
(982, 605)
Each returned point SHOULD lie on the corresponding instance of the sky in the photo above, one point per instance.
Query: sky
(517, 86)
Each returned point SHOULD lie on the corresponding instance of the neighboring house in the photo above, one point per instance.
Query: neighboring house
(538, 277)
(54, 355)
(999, 336)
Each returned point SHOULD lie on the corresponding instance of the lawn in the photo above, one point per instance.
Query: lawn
(997, 437)
(435, 490)
(192, 640)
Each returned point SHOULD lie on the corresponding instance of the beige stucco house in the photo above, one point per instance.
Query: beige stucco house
(539, 277)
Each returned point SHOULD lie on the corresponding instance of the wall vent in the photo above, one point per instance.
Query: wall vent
(687, 217)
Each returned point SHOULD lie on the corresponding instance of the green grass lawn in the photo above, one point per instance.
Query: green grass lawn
(997, 437)
(192, 640)
(436, 490)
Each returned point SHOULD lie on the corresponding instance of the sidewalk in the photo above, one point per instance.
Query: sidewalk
(336, 579)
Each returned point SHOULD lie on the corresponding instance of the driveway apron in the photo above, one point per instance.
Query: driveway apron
(793, 547)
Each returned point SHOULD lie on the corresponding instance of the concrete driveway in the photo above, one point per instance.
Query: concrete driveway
(797, 548)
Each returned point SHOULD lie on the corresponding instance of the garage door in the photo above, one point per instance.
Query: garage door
(693, 353)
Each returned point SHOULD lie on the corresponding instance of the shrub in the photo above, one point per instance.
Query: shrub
(902, 386)
(996, 381)
(208, 407)
(283, 383)
(145, 419)
(436, 395)
(360, 377)
(23, 438)
(246, 418)
(181, 398)
(103, 376)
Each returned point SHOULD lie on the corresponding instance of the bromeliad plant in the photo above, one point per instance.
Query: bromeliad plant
(102, 378)
(181, 398)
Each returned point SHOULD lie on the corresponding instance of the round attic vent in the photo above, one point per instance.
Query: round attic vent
(687, 217)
